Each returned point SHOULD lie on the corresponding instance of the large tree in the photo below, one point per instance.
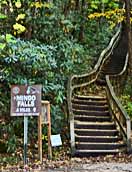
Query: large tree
(128, 22)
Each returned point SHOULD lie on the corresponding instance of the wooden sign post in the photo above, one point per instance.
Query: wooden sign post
(25, 101)
(25, 138)
(44, 118)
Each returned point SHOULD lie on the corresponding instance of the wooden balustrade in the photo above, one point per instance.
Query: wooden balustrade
(81, 81)
(85, 79)
(119, 114)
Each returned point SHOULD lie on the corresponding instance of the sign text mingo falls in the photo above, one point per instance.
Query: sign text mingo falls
(25, 100)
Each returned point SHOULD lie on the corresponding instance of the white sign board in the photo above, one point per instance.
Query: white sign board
(56, 140)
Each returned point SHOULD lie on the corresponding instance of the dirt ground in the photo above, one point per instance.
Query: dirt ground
(109, 163)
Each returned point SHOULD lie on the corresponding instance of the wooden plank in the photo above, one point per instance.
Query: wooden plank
(40, 138)
(49, 133)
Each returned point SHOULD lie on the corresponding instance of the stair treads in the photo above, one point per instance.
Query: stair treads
(98, 127)
(90, 113)
(95, 125)
(97, 139)
(90, 107)
(96, 132)
(93, 118)
(82, 97)
(89, 102)
(86, 153)
(98, 146)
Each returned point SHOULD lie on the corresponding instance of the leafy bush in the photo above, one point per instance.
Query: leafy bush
(8, 138)
(127, 104)
(126, 98)
(53, 52)
(34, 63)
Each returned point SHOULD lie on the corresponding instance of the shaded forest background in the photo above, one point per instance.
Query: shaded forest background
(44, 42)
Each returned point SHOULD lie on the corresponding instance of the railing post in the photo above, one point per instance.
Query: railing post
(40, 138)
(49, 132)
(72, 135)
(71, 117)
(128, 123)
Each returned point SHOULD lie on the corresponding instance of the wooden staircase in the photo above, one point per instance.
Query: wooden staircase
(95, 130)
(98, 123)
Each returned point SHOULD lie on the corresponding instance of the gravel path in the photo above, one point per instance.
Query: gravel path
(97, 167)
(106, 167)
(109, 163)
(100, 167)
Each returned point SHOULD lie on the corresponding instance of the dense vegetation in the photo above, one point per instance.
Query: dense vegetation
(43, 42)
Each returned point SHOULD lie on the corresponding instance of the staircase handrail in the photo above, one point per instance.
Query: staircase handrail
(93, 74)
(120, 115)
(76, 80)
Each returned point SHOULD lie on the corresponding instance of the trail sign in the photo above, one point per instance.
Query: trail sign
(25, 100)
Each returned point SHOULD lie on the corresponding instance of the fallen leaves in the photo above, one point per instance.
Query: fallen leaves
(65, 162)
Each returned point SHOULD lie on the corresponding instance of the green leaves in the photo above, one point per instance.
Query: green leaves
(4, 39)
(2, 46)
(10, 39)
(105, 1)
(61, 41)
(3, 16)
(95, 4)
(127, 102)
(39, 63)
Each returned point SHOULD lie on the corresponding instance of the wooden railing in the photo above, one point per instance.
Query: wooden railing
(114, 87)
(77, 82)
(84, 79)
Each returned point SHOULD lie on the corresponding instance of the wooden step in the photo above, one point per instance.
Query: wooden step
(90, 112)
(94, 125)
(90, 107)
(106, 139)
(87, 153)
(98, 146)
(90, 98)
(89, 102)
(93, 118)
(92, 132)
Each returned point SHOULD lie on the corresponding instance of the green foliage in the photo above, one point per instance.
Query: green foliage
(52, 41)
(103, 5)
(8, 136)
(37, 63)
(2, 16)
(126, 98)
(128, 86)
(49, 22)
(127, 103)
(8, 159)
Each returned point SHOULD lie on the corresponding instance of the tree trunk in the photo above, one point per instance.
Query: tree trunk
(77, 5)
(67, 7)
(128, 8)
(81, 32)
